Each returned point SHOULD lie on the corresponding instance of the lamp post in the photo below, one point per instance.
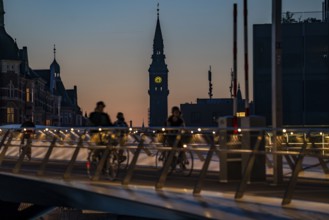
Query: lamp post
(276, 86)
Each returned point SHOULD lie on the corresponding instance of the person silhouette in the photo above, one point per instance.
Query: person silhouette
(28, 128)
(98, 117)
(120, 122)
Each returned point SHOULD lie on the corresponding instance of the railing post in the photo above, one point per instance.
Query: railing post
(247, 172)
(69, 168)
(198, 186)
(101, 163)
(133, 162)
(5, 148)
(4, 138)
(24, 149)
(294, 176)
(47, 156)
(167, 164)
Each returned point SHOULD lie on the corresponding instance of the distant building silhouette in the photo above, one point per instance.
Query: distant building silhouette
(158, 81)
(36, 94)
(205, 112)
(305, 71)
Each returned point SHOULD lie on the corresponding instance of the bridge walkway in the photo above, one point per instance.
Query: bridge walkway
(141, 197)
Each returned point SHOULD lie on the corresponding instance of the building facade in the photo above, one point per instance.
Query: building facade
(38, 95)
(205, 112)
(305, 72)
(158, 81)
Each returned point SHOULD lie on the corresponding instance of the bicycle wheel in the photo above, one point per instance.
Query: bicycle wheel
(185, 163)
(112, 165)
(124, 159)
(160, 158)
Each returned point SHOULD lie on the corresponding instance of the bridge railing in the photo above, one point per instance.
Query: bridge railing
(245, 150)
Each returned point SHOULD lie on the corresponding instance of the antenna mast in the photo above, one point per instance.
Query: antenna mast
(210, 83)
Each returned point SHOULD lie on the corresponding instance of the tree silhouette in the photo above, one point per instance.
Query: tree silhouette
(289, 18)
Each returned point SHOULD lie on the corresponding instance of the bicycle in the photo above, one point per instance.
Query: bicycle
(182, 161)
(106, 158)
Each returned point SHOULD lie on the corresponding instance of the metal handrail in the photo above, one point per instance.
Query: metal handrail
(295, 144)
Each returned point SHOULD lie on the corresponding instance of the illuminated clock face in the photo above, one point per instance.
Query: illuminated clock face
(158, 79)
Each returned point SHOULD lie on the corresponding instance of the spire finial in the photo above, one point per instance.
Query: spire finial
(158, 9)
(54, 51)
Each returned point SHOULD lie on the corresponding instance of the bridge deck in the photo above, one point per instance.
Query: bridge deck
(174, 201)
(56, 175)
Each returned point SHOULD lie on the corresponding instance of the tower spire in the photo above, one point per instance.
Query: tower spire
(54, 51)
(2, 14)
(54, 65)
(158, 56)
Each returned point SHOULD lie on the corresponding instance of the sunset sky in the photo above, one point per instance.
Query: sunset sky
(104, 47)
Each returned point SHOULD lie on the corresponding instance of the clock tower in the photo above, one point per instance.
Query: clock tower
(158, 81)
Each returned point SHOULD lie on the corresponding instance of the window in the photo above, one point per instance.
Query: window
(28, 95)
(48, 122)
(241, 114)
(10, 115)
(11, 89)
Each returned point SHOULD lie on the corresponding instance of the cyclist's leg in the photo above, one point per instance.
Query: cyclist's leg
(112, 164)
